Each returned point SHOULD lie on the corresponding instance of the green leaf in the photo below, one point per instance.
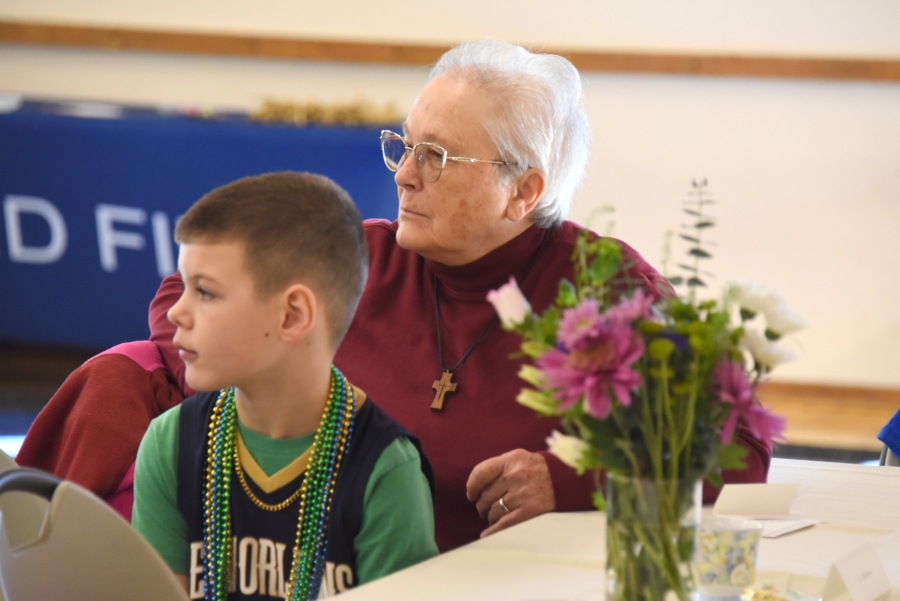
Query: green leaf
(568, 296)
(607, 262)
(693, 212)
(772, 335)
(703, 224)
(695, 281)
(676, 280)
(731, 457)
(747, 314)
(599, 500)
(699, 252)
(690, 238)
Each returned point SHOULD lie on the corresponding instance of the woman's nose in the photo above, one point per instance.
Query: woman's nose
(408, 175)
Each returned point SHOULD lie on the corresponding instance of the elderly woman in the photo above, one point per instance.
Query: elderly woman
(486, 165)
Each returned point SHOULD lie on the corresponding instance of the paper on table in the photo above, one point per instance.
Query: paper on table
(776, 528)
(756, 500)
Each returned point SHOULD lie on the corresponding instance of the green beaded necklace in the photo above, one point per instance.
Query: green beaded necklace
(316, 493)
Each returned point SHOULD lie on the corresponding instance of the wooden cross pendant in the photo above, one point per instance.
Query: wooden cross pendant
(441, 388)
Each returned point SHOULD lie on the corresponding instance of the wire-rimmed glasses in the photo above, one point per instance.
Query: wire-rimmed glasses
(430, 158)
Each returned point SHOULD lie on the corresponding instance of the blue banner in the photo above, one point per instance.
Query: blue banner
(89, 205)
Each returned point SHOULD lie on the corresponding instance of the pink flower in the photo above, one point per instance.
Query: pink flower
(579, 324)
(600, 366)
(732, 386)
(764, 424)
(631, 309)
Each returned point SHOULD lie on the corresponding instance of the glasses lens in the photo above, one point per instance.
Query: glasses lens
(430, 158)
(394, 149)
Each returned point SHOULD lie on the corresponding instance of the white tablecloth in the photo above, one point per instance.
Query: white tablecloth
(561, 556)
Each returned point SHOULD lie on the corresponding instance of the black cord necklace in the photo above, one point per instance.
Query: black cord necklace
(446, 384)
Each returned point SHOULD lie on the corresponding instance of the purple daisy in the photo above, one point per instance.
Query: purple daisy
(579, 324)
(598, 370)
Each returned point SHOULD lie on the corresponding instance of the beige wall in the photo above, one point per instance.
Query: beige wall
(807, 172)
(834, 27)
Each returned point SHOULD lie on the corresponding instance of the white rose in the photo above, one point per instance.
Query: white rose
(753, 297)
(510, 303)
(783, 321)
(765, 351)
(568, 449)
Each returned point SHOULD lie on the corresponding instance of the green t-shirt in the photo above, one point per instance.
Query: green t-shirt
(398, 519)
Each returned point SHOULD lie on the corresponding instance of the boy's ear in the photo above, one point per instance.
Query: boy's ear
(300, 312)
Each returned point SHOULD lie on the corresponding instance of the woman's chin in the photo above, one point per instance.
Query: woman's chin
(410, 235)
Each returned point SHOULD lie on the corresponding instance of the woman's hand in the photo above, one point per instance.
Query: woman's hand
(521, 479)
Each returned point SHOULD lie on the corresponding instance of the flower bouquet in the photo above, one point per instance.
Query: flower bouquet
(650, 391)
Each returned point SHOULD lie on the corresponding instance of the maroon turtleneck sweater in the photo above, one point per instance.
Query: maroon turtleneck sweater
(391, 352)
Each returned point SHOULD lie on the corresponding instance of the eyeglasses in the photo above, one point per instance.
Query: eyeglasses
(430, 158)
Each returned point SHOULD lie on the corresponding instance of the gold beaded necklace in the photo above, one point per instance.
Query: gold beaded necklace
(316, 493)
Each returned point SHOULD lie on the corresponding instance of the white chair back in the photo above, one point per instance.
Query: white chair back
(84, 551)
(29, 510)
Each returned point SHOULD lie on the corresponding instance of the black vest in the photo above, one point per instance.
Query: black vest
(264, 540)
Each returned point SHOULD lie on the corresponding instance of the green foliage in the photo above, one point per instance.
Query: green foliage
(731, 457)
(700, 221)
(596, 260)
(568, 296)
(670, 427)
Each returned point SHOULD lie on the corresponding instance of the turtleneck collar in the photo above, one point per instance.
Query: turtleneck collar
(493, 269)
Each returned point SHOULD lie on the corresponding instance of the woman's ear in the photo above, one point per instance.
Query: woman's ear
(300, 313)
(525, 194)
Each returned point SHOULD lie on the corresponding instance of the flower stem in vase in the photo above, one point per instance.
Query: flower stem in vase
(650, 538)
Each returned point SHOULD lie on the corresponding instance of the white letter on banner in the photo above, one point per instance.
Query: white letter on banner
(162, 242)
(13, 206)
(109, 238)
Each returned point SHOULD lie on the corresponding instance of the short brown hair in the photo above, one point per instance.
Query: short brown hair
(294, 226)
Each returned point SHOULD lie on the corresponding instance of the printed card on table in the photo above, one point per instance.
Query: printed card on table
(858, 576)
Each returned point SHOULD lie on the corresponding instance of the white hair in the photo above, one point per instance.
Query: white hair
(540, 122)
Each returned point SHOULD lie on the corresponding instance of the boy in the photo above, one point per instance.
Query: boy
(282, 479)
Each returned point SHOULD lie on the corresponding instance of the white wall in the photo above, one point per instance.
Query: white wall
(807, 172)
(808, 179)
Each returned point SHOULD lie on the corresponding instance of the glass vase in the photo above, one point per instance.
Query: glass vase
(651, 529)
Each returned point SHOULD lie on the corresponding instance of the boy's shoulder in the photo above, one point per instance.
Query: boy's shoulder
(164, 427)
(377, 432)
